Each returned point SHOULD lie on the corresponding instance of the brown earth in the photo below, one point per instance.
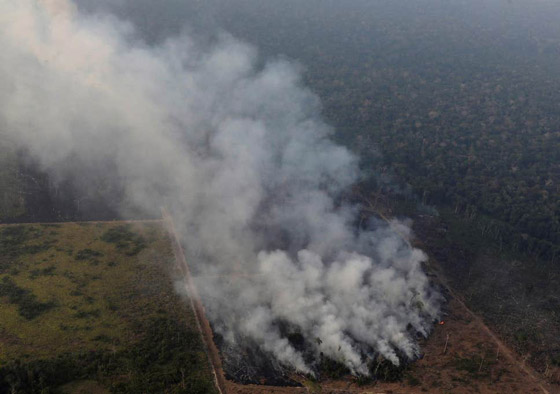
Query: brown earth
(461, 356)
(473, 362)
(517, 295)
(201, 321)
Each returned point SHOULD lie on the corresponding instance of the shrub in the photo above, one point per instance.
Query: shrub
(28, 306)
(87, 254)
(125, 239)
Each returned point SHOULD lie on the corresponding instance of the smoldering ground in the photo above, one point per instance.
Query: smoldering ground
(238, 153)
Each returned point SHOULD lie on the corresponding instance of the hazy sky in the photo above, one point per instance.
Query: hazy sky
(498, 21)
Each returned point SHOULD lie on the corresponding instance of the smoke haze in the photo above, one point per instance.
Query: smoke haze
(238, 153)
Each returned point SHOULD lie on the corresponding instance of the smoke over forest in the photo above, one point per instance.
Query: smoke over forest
(238, 153)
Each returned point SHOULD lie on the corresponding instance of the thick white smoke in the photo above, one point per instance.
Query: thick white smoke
(242, 159)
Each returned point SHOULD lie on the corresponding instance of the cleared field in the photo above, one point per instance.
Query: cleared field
(92, 307)
(461, 356)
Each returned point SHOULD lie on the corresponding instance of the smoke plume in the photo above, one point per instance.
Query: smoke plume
(238, 153)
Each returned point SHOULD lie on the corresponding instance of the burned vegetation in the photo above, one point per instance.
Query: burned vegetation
(246, 363)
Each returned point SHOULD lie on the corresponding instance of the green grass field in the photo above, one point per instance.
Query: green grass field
(91, 307)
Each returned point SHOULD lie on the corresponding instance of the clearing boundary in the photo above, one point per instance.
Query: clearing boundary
(196, 304)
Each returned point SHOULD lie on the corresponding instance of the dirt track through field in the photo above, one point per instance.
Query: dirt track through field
(196, 304)
(504, 349)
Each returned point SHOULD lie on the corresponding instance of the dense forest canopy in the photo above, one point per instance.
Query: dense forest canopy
(462, 97)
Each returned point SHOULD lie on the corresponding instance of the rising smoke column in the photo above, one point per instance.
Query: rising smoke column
(242, 159)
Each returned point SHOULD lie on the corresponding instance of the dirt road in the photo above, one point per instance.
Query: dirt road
(196, 304)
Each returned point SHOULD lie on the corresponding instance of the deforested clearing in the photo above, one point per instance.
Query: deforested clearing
(91, 307)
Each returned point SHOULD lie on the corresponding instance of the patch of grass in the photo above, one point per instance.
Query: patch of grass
(312, 386)
(19, 240)
(87, 314)
(34, 249)
(129, 332)
(103, 338)
(28, 306)
(14, 234)
(124, 239)
(48, 271)
(88, 254)
(11, 240)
